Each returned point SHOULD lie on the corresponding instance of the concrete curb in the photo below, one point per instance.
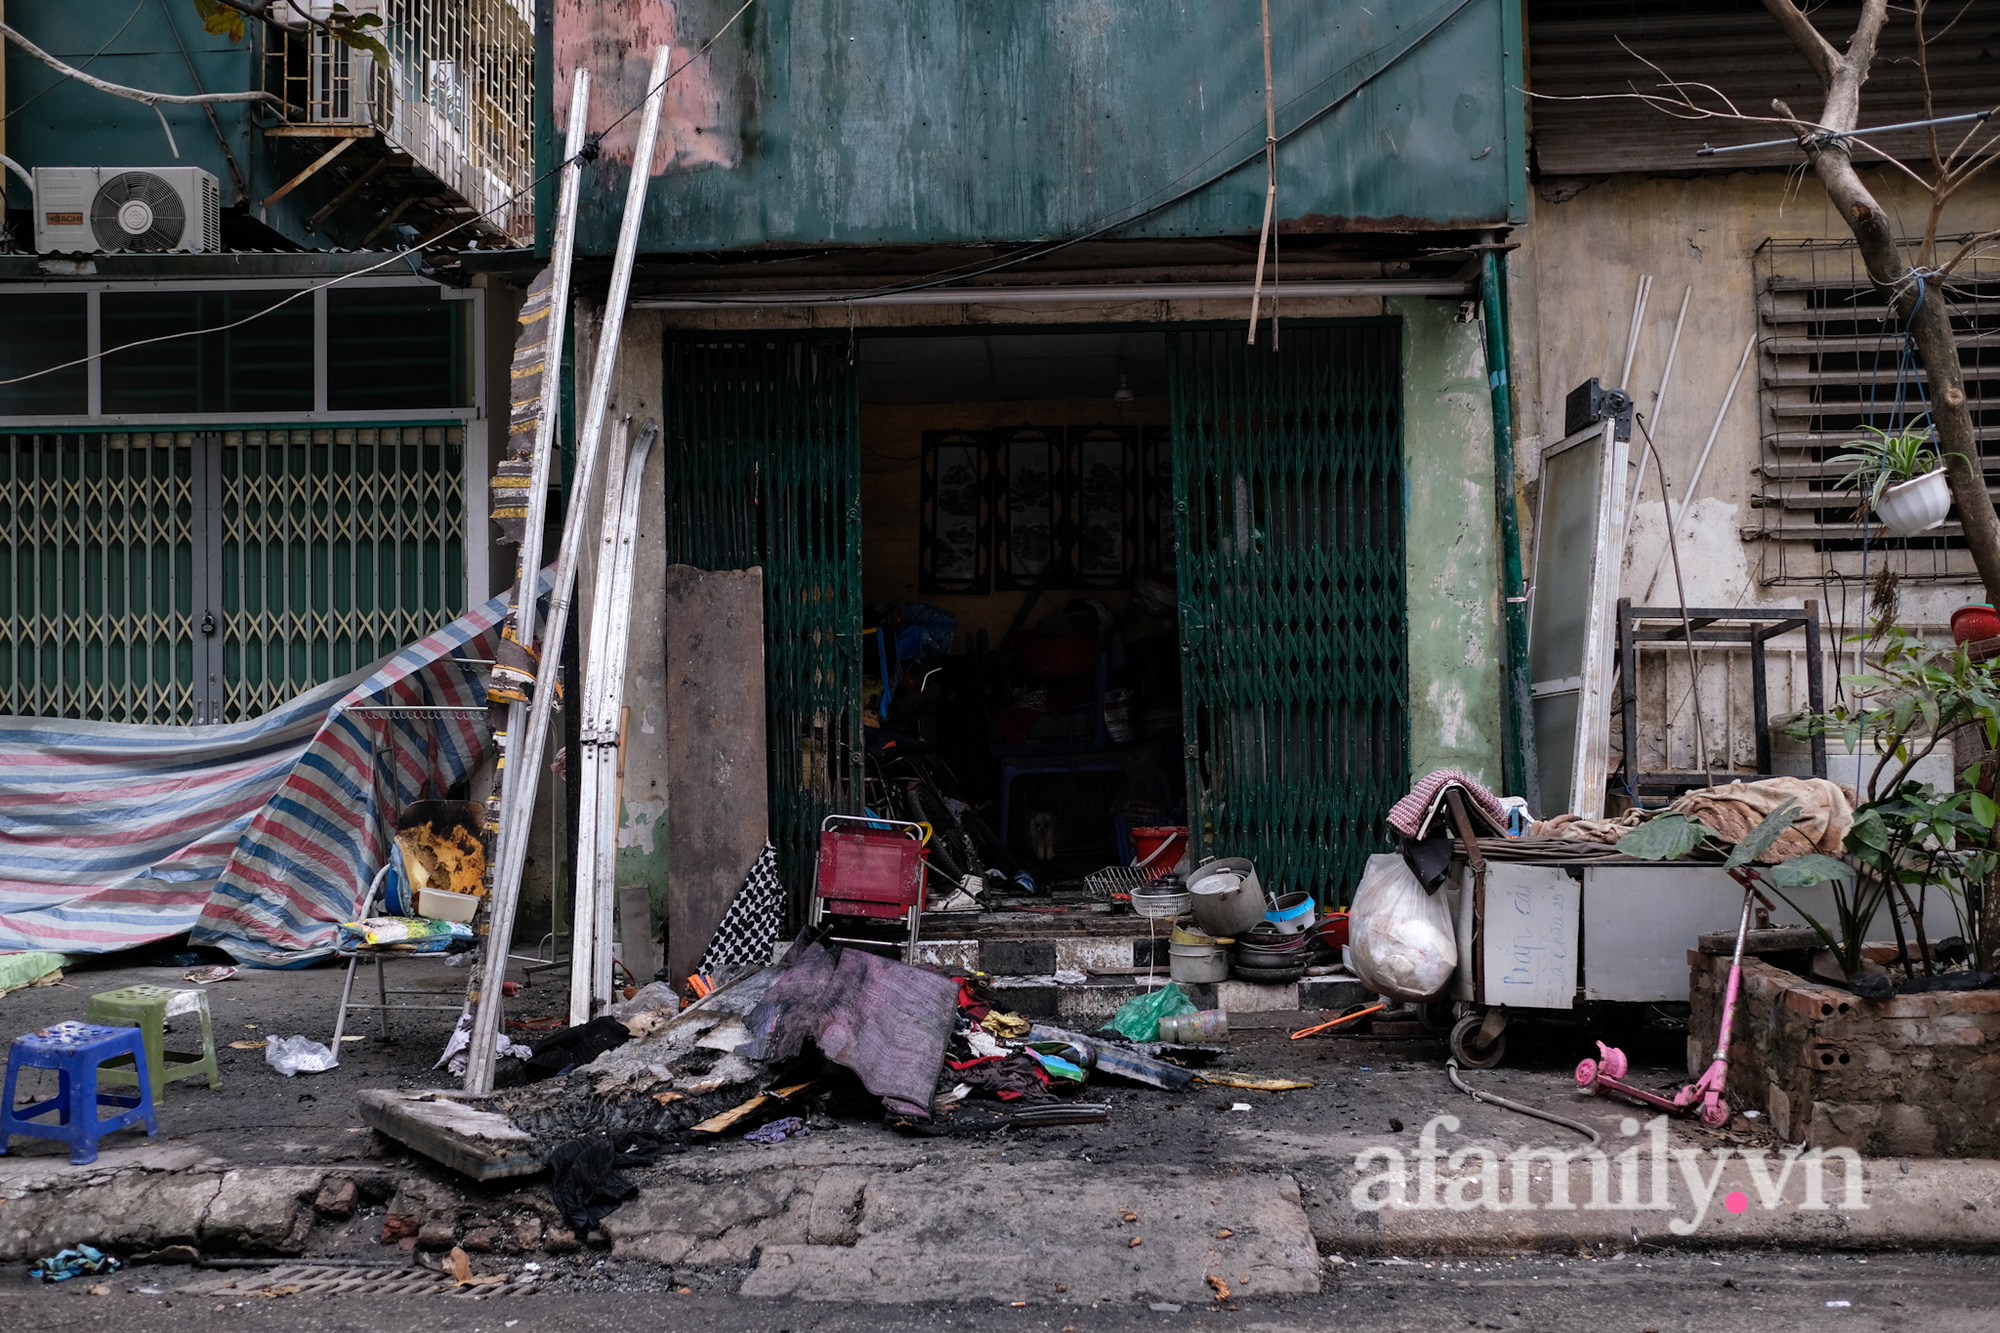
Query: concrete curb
(134, 1201)
(1903, 1203)
(824, 1216)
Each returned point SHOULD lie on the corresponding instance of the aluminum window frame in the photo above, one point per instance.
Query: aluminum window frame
(476, 423)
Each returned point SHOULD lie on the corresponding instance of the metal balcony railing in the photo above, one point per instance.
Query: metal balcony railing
(456, 96)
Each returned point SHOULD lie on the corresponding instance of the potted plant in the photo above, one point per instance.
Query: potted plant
(1908, 837)
(1879, 1055)
(1900, 479)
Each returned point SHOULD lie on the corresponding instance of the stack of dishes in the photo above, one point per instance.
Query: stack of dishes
(1164, 898)
(1270, 956)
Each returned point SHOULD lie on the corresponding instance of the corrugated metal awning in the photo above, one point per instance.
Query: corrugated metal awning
(1745, 57)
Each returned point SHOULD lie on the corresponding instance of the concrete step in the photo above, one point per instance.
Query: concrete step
(1037, 956)
(1089, 1004)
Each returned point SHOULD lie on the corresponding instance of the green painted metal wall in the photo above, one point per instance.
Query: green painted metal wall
(54, 121)
(947, 121)
(1457, 654)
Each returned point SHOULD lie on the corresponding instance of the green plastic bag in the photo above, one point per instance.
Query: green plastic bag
(1139, 1019)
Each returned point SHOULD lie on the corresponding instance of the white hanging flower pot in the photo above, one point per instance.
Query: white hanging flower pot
(1916, 505)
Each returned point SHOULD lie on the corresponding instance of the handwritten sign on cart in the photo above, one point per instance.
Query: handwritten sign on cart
(1531, 927)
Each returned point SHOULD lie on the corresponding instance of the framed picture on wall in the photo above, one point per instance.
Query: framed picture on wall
(1104, 466)
(1031, 488)
(955, 540)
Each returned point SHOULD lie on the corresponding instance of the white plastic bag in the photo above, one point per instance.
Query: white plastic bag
(1400, 938)
(299, 1055)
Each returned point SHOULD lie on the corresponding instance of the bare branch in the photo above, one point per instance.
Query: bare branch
(1986, 157)
(1893, 161)
(1970, 134)
(1843, 90)
(1930, 112)
(1817, 50)
(1965, 252)
(119, 89)
(1679, 108)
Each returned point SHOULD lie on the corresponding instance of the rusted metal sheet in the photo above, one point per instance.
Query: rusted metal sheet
(961, 121)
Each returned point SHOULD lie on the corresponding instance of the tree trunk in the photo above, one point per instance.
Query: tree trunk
(1925, 311)
(1927, 314)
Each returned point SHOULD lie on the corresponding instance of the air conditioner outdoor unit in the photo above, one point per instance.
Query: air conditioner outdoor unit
(344, 86)
(152, 210)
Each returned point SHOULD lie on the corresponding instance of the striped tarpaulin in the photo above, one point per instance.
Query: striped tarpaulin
(259, 837)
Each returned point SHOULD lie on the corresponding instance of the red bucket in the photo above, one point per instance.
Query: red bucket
(1333, 929)
(1159, 848)
(1969, 624)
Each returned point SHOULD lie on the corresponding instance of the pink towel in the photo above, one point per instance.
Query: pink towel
(1412, 815)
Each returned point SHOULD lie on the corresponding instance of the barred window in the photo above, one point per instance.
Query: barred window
(1831, 365)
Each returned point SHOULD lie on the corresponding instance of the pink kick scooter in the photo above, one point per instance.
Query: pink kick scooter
(1607, 1075)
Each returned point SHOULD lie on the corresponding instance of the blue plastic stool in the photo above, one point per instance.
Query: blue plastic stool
(74, 1051)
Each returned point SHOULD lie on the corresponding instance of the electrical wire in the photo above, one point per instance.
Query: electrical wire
(6, 114)
(1142, 209)
(1133, 213)
(587, 154)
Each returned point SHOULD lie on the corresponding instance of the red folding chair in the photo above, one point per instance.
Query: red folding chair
(870, 868)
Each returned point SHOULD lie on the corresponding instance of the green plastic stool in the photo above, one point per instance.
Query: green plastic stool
(148, 1008)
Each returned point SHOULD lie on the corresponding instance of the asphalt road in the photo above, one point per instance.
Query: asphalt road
(1713, 1293)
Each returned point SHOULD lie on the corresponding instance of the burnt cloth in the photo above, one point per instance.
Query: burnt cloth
(887, 1021)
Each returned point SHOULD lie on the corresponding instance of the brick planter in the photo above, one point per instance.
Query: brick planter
(1913, 1076)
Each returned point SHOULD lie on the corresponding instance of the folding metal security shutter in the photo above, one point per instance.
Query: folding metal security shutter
(1288, 526)
(97, 576)
(763, 468)
(334, 546)
(194, 576)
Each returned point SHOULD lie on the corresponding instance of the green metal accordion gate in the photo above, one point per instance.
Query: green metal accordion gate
(192, 576)
(1288, 524)
(763, 468)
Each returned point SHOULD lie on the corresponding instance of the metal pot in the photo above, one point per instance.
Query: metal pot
(1268, 937)
(1268, 976)
(1250, 955)
(1197, 964)
(1226, 897)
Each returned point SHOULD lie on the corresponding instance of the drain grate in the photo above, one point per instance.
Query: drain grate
(328, 1280)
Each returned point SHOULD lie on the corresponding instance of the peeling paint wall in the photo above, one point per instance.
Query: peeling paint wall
(1457, 651)
(1573, 284)
(642, 755)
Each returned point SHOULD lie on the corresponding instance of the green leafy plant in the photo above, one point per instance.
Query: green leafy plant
(1908, 837)
(1882, 459)
(225, 18)
(1904, 845)
(1916, 696)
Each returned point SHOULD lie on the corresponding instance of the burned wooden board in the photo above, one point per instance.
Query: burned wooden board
(717, 781)
(484, 1145)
